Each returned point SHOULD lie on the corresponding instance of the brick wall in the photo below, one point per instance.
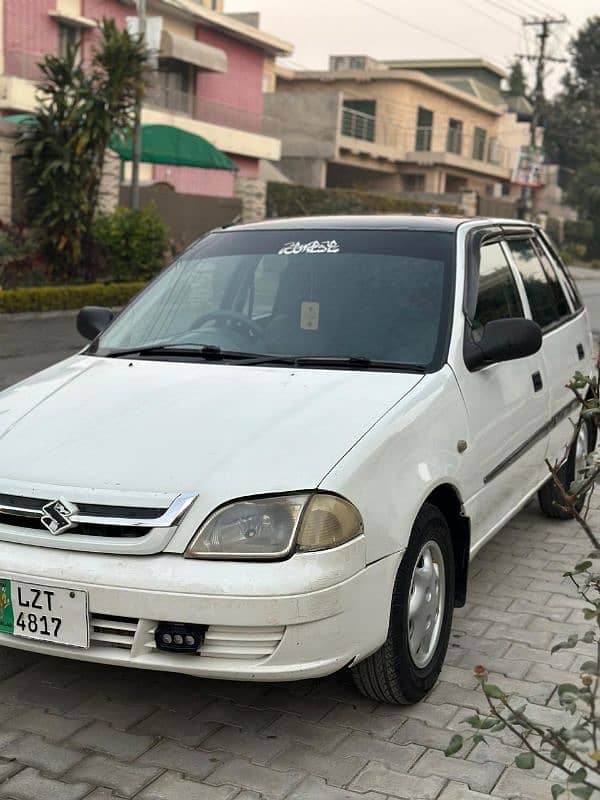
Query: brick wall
(241, 85)
(192, 180)
(29, 33)
(8, 134)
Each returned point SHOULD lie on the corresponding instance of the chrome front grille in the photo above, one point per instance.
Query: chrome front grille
(93, 519)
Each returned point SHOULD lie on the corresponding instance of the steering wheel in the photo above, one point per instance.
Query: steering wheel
(240, 320)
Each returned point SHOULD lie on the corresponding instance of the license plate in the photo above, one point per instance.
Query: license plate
(45, 613)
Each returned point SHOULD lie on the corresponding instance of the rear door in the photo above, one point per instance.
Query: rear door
(555, 305)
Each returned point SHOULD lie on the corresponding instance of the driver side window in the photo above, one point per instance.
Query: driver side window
(497, 295)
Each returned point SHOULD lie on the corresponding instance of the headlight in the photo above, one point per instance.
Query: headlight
(270, 527)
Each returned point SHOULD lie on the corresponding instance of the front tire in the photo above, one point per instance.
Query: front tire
(407, 665)
(549, 497)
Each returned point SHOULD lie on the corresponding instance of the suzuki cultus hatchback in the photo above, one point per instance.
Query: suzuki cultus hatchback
(277, 461)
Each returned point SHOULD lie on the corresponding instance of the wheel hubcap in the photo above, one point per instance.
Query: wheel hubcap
(581, 449)
(426, 604)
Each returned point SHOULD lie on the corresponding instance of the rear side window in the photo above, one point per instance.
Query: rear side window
(567, 281)
(497, 295)
(546, 298)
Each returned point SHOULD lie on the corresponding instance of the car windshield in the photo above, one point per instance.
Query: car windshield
(375, 295)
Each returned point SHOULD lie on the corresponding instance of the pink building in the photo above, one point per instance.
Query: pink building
(209, 81)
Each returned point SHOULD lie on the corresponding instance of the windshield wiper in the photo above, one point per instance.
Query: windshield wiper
(209, 352)
(351, 362)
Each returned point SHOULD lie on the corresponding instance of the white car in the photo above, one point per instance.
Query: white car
(277, 461)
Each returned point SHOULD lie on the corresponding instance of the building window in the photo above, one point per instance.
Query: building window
(479, 136)
(455, 135)
(358, 119)
(414, 182)
(173, 86)
(424, 129)
(69, 36)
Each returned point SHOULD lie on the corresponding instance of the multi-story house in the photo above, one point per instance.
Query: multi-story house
(429, 127)
(209, 80)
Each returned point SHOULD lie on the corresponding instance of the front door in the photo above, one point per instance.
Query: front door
(507, 405)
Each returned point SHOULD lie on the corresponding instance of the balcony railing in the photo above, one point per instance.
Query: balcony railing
(368, 128)
(22, 65)
(454, 141)
(358, 125)
(226, 116)
(423, 138)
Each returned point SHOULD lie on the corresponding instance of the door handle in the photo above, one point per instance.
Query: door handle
(537, 381)
(580, 351)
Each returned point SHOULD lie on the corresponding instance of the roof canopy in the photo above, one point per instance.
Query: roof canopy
(190, 52)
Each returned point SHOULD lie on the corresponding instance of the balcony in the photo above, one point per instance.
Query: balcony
(358, 125)
(423, 138)
(365, 135)
(22, 65)
(226, 116)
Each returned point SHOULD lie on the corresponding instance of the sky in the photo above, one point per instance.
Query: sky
(490, 29)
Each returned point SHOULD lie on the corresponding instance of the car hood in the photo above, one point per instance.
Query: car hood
(141, 426)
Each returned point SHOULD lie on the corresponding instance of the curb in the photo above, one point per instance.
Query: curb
(22, 316)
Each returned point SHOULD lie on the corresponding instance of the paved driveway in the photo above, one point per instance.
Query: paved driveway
(70, 730)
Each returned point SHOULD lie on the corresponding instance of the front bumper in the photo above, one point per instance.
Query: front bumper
(301, 618)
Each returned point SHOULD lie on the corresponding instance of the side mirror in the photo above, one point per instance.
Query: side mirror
(92, 320)
(503, 340)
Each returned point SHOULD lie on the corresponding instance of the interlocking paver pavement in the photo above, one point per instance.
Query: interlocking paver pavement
(75, 730)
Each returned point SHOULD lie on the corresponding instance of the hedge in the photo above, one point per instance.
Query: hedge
(289, 200)
(63, 298)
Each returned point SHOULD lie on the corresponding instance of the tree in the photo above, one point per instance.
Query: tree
(517, 80)
(65, 145)
(572, 137)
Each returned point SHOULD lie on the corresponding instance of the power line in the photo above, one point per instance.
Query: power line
(515, 12)
(490, 16)
(416, 27)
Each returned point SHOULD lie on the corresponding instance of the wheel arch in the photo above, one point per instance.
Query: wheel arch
(447, 499)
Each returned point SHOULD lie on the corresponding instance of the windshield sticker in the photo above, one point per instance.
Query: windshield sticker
(309, 316)
(296, 248)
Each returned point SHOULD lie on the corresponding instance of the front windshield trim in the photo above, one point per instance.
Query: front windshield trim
(439, 357)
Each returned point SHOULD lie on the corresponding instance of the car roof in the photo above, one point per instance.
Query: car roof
(370, 222)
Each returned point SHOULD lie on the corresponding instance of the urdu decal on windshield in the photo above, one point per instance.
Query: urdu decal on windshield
(296, 248)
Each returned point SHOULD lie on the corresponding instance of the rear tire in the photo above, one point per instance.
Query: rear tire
(548, 496)
(407, 665)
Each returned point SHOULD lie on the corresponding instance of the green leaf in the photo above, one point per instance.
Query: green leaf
(569, 688)
(578, 776)
(525, 761)
(474, 720)
(493, 691)
(456, 743)
(562, 646)
(585, 792)
(557, 790)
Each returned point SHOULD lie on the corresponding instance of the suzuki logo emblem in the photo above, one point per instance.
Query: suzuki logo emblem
(57, 516)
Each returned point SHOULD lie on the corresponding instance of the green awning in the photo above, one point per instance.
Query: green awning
(162, 144)
(165, 144)
(17, 118)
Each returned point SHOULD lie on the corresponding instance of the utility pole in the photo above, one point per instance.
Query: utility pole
(137, 133)
(540, 59)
